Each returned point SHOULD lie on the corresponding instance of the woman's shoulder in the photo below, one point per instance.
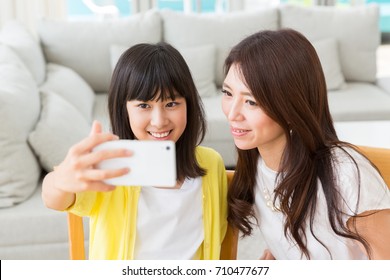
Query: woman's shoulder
(208, 157)
(361, 183)
(349, 162)
(203, 152)
(348, 155)
(350, 165)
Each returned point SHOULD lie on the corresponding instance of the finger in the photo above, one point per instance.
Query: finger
(96, 175)
(268, 255)
(96, 128)
(92, 159)
(262, 256)
(88, 143)
(265, 255)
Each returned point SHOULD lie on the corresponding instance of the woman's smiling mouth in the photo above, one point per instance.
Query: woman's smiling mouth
(160, 134)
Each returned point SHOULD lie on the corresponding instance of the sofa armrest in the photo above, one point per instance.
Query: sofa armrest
(384, 83)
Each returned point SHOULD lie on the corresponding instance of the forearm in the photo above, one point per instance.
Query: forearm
(379, 238)
(374, 227)
(53, 197)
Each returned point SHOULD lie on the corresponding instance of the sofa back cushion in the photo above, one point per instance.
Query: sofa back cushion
(69, 85)
(223, 31)
(19, 111)
(327, 51)
(60, 126)
(84, 46)
(15, 35)
(356, 30)
(200, 60)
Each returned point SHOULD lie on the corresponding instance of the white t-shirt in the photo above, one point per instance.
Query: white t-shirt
(374, 195)
(170, 222)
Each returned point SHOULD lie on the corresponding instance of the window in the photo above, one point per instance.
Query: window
(384, 6)
(122, 8)
(100, 8)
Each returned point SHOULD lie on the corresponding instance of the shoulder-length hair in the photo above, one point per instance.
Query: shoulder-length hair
(158, 72)
(284, 74)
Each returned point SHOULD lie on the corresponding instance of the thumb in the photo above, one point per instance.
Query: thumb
(96, 128)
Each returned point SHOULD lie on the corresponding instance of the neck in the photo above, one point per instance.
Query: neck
(272, 154)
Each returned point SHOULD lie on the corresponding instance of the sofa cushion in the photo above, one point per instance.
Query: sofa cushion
(355, 28)
(19, 111)
(84, 45)
(359, 101)
(100, 111)
(67, 83)
(200, 60)
(15, 35)
(33, 231)
(218, 134)
(328, 53)
(60, 126)
(384, 83)
(223, 31)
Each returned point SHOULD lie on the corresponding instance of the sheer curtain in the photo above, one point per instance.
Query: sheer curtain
(28, 11)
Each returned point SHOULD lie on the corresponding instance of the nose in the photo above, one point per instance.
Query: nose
(234, 111)
(159, 118)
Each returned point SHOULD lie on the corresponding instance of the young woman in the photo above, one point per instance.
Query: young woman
(152, 97)
(313, 196)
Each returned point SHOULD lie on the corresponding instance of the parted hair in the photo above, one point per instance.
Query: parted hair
(157, 72)
(283, 72)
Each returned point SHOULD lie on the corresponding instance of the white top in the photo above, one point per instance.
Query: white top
(374, 194)
(170, 222)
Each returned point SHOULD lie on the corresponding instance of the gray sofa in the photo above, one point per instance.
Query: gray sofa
(52, 86)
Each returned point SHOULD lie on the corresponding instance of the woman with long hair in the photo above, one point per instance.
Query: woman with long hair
(312, 195)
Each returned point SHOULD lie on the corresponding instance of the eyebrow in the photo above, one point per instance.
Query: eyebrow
(245, 93)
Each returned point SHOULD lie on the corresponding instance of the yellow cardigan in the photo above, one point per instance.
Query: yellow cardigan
(113, 215)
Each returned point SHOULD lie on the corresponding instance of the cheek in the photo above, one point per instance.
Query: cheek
(225, 106)
(183, 118)
(260, 121)
(268, 127)
(135, 120)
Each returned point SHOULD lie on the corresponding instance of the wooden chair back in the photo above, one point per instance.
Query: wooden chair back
(76, 236)
(381, 158)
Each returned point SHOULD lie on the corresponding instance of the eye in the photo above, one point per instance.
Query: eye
(143, 105)
(251, 103)
(225, 92)
(172, 104)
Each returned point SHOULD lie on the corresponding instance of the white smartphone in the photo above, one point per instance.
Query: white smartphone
(153, 163)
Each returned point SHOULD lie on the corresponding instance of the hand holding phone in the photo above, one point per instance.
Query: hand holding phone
(153, 163)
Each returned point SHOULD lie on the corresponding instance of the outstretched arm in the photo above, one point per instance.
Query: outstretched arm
(374, 226)
(77, 174)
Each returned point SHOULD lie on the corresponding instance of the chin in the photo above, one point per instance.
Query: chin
(244, 146)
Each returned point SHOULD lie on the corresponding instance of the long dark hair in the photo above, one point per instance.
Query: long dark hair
(148, 71)
(284, 74)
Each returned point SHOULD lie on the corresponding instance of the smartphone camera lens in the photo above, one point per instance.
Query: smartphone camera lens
(168, 148)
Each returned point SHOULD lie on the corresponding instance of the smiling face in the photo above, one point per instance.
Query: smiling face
(250, 126)
(158, 120)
